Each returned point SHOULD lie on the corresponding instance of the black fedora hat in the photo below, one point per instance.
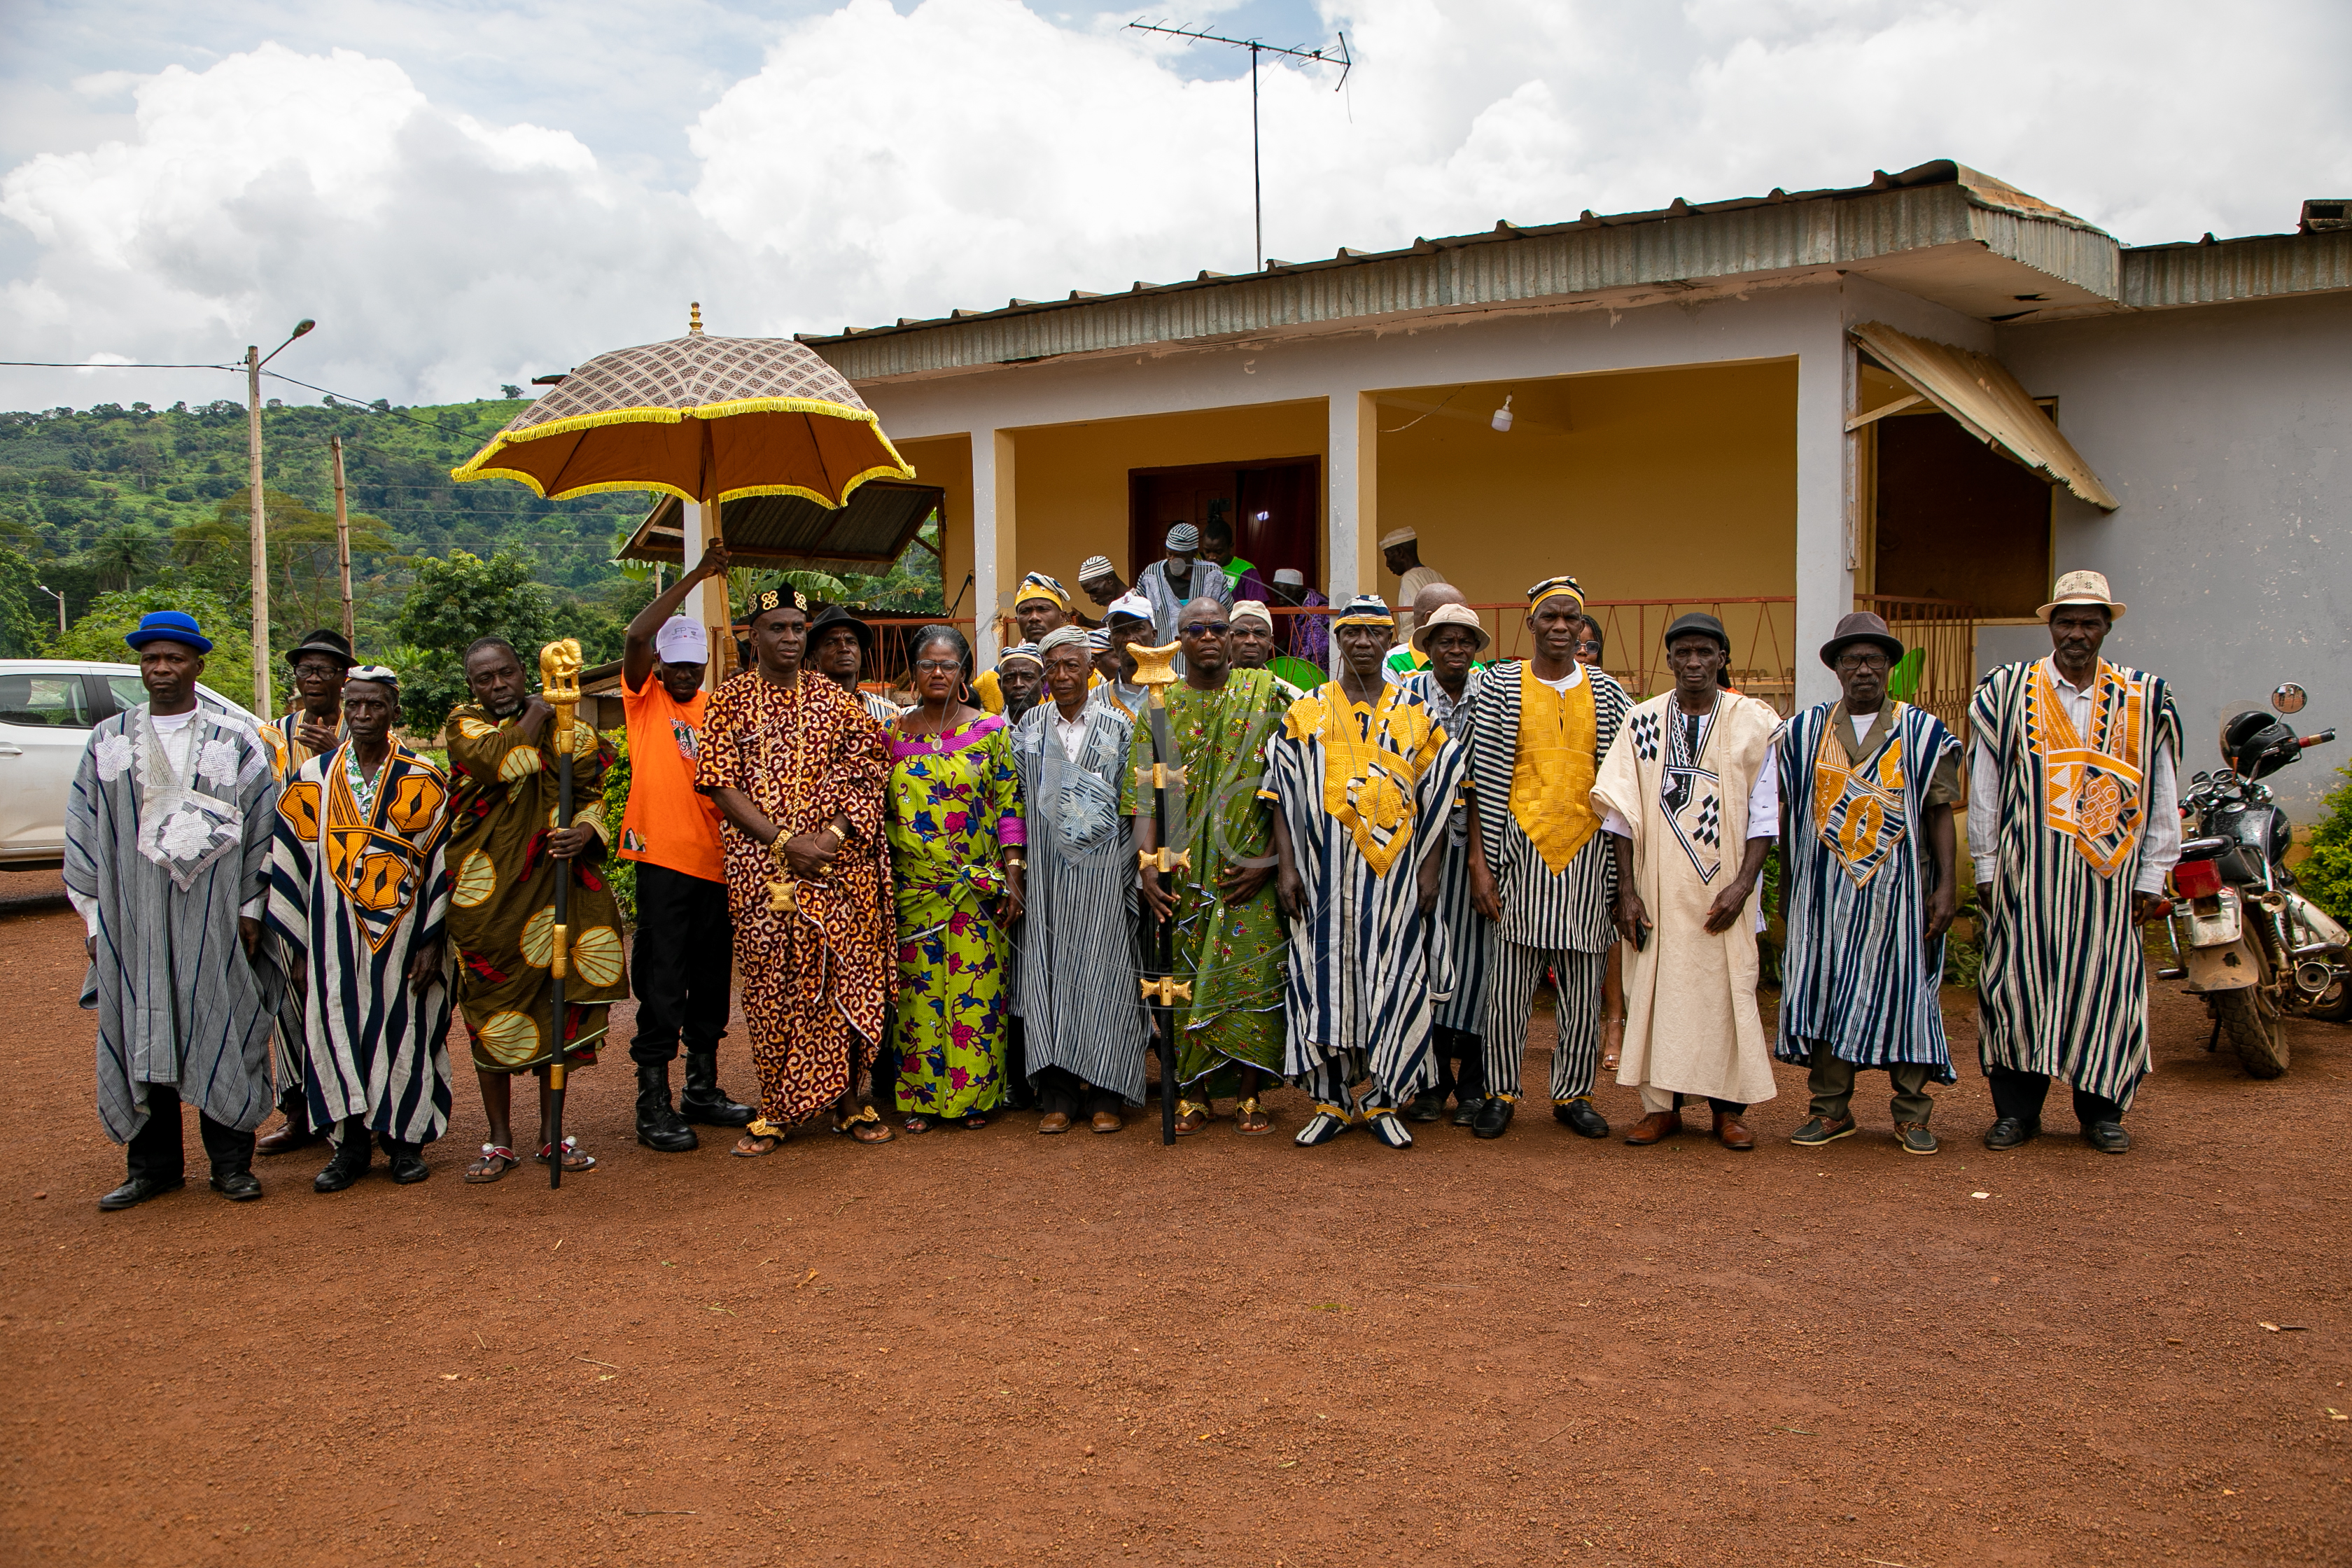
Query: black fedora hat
(331, 643)
(830, 615)
(1861, 626)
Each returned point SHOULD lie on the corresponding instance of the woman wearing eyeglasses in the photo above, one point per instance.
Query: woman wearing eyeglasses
(959, 859)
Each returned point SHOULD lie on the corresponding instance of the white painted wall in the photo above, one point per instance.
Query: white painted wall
(2224, 431)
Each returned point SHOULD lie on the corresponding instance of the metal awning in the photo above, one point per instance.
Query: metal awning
(865, 534)
(1978, 391)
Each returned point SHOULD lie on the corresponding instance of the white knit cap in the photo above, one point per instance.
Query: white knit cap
(1250, 610)
(1289, 577)
(1397, 536)
(682, 641)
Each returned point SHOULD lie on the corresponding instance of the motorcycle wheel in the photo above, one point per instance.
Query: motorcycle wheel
(2252, 1025)
(2334, 1005)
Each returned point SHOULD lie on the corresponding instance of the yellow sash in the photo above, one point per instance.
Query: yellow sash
(2092, 789)
(1551, 778)
(1858, 814)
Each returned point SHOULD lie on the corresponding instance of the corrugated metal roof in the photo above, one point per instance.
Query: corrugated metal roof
(2215, 272)
(1936, 204)
(1978, 391)
(865, 534)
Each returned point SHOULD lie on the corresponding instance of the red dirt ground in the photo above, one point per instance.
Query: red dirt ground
(987, 1347)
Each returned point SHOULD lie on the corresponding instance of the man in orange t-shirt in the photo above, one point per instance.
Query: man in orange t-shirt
(684, 957)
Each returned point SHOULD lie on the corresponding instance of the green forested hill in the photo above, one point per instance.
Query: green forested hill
(116, 498)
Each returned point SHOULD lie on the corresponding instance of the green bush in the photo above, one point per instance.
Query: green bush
(2326, 876)
(621, 874)
(97, 636)
(451, 603)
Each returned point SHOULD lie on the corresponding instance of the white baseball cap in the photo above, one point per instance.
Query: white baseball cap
(682, 641)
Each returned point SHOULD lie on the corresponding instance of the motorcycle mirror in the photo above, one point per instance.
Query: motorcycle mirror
(2289, 697)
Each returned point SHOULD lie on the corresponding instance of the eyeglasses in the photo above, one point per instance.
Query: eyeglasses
(1858, 662)
(1206, 630)
(314, 667)
(937, 667)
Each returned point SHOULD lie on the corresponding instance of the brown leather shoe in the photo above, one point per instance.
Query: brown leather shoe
(1054, 1122)
(1732, 1132)
(1657, 1126)
(289, 1136)
(1109, 1121)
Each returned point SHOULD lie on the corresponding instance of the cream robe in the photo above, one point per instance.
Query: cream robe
(1691, 1023)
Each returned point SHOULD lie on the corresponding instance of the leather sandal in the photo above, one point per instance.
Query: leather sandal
(865, 1126)
(1250, 1118)
(1192, 1118)
(760, 1139)
(495, 1163)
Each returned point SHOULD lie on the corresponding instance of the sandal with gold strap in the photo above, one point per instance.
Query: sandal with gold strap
(865, 1126)
(1192, 1118)
(766, 1137)
(1244, 1112)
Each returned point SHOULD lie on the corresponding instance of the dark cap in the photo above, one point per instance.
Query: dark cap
(331, 643)
(1699, 621)
(1861, 626)
(830, 615)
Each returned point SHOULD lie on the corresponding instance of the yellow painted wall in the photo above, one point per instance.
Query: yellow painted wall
(1646, 485)
(946, 461)
(1070, 484)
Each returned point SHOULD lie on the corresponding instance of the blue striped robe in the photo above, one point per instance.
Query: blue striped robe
(373, 1048)
(1857, 975)
(2063, 990)
(1577, 909)
(1077, 998)
(1358, 974)
(1468, 936)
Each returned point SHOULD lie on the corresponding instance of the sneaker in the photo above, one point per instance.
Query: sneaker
(1915, 1138)
(1819, 1130)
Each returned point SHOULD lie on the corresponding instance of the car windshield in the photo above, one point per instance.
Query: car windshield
(58, 702)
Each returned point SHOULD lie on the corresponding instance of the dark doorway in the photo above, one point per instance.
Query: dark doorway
(1956, 519)
(1276, 510)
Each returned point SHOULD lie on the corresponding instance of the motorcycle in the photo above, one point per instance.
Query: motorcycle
(2243, 936)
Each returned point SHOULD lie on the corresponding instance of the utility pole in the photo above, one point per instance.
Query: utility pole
(1337, 52)
(60, 599)
(254, 360)
(343, 545)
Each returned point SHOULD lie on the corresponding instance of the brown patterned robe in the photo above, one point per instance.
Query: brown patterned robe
(817, 981)
(503, 899)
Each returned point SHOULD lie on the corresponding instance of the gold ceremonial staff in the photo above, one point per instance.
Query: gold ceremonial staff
(1155, 670)
(559, 676)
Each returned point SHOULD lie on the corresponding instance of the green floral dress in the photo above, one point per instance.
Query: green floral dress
(954, 807)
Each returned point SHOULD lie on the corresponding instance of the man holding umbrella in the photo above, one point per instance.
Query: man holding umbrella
(671, 832)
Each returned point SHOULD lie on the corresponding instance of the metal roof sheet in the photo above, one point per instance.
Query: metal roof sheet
(865, 534)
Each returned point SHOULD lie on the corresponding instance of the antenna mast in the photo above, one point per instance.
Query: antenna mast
(1257, 46)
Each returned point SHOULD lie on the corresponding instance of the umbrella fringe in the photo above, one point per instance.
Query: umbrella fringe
(474, 470)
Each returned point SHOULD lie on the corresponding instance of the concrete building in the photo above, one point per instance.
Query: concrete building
(1933, 389)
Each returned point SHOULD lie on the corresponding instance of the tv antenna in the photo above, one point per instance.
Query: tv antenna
(1257, 46)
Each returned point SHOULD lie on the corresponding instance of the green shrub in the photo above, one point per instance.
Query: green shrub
(2327, 876)
(621, 874)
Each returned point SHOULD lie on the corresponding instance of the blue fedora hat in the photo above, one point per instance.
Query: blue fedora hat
(168, 626)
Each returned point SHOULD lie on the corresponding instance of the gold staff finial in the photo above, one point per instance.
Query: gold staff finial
(694, 318)
(1155, 668)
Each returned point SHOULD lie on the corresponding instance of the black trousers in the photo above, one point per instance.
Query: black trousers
(685, 956)
(1461, 1061)
(157, 1150)
(2020, 1094)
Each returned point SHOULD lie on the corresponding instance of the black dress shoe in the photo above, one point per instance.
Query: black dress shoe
(1427, 1106)
(2012, 1133)
(138, 1190)
(1578, 1117)
(237, 1186)
(407, 1162)
(2108, 1137)
(353, 1157)
(1465, 1111)
(1494, 1118)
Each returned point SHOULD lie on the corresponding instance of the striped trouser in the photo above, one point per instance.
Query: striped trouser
(1513, 973)
(1328, 1080)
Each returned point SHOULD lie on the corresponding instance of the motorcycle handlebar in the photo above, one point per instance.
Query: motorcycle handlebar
(2307, 742)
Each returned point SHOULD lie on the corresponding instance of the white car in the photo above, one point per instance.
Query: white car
(48, 709)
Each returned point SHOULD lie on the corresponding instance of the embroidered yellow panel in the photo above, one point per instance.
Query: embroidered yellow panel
(1552, 780)
(1858, 813)
(1373, 759)
(2092, 788)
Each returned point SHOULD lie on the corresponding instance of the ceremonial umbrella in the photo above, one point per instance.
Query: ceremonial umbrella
(704, 418)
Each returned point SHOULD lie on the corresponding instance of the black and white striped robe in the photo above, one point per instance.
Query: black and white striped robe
(1358, 989)
(1571, 912)
(1467, 933)
(1077, 994)
(281, 737)
(355, 893)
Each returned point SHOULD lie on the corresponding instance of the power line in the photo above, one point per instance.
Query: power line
(105, 364)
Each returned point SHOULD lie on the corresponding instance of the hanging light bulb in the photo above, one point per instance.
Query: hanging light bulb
(1502, 420)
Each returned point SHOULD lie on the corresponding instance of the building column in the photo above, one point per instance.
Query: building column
(993, 574)
(1353, 471)
(1826, 533)
(710, 602)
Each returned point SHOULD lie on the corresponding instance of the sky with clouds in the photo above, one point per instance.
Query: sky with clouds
(468, 193)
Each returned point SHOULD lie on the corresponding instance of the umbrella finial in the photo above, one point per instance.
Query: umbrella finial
(694, 318)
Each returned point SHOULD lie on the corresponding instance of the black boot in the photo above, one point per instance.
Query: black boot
(704, 1100)
(660, 1128)
(407, 1162)
(353, 1157)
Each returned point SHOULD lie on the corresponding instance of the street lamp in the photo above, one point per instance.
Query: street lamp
(254, 360)
(60, 599)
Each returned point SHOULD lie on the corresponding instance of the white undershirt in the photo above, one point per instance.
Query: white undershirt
(2160, 825)
(1070, 732)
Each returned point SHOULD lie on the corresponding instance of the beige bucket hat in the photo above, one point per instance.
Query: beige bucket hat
(2082, 588)
(1450, 615)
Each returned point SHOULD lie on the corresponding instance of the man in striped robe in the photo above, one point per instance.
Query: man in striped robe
(1452, 639)
(2073, 823)
(314, 724)
(1364, 780)
(358, 892)
(1540, 869)
(1867, 887)
(1083, 1025)
(167, 842)
(1688, 776)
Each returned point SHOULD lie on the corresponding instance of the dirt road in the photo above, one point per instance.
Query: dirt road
(992, 1347)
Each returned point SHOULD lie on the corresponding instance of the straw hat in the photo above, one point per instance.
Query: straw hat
(1450, 615)
(2083, 588)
